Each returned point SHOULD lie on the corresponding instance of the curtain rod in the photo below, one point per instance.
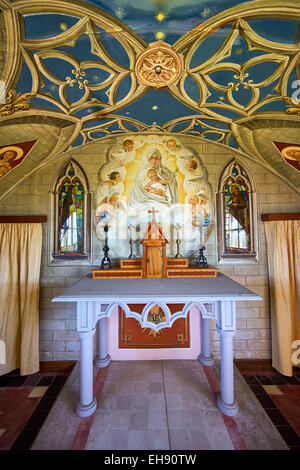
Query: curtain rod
(22, 219)
(280, 216)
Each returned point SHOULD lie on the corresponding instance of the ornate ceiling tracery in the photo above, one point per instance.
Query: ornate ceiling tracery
(217, 75)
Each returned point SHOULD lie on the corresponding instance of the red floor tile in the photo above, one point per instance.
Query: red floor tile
(16, 409)
(289, 404)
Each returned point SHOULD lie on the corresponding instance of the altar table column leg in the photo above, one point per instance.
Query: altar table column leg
(205, 357)
(88, 403)
(225, 400)
(103, 359)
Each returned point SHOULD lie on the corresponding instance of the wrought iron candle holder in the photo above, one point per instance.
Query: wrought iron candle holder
(106, 262)
(201, 260)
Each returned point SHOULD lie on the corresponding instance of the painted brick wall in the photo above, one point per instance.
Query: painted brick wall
(58, 337)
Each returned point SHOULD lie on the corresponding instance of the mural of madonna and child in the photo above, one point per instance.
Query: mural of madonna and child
(156, 172)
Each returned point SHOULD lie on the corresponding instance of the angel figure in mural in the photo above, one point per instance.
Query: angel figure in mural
(112, 212)
(191, 166)
(109, 187)
(194, 217)
(200, 210)
(122, 153)
(172, 145)
(161, 190)
(193, 171)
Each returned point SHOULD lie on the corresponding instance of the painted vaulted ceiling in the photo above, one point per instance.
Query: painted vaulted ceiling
(71, 66)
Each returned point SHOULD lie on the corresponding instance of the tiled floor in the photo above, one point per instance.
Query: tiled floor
(280, 397)
(25, 402)
(149, 405)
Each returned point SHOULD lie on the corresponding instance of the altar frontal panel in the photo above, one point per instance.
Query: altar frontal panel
(132, 336)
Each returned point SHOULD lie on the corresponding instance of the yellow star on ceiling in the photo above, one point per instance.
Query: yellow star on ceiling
(120, 13)
(160, 16)
(160, 35)
(205, 12)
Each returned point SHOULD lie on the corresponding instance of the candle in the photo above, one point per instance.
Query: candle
(178, 228)
(131, 228)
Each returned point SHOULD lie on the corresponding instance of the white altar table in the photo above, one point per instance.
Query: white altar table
(215, 298)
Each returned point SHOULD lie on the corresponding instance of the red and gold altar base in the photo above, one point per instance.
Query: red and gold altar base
(132, 336)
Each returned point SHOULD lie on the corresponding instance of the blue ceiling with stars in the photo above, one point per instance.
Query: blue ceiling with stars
(167, 20)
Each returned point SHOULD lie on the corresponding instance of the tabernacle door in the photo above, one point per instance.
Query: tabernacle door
(154, 261)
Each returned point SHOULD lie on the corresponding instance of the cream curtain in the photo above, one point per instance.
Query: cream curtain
(283, 246)
(20, 260)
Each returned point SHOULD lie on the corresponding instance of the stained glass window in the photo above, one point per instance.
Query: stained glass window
(237, 223)
(236, 212)
(71, 211)
(70, 226)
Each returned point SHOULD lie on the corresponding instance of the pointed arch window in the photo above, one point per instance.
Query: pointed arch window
(236, 213)
(71, 215)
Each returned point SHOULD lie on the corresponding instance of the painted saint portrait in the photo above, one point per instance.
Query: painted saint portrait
(290, 154)
(12, 155)
(9, 156)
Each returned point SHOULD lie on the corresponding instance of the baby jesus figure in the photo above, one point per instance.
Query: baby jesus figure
(158, 186)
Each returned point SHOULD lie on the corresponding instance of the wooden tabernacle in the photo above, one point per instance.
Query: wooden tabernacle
(154, 263)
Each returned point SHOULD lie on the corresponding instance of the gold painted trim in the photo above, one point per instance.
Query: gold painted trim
(15, 102)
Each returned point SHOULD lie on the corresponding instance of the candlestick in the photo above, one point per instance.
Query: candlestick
(106, 262)
(201, 260)
(131, 227)
(178, 242)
